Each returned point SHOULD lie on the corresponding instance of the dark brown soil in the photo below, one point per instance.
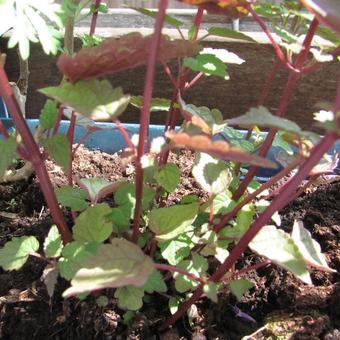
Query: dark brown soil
(309, 312)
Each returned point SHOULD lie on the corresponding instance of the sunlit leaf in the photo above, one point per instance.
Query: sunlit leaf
(220, 149)
(15, 252)
(157, 104)
(155, 283)
(53, 244)
(210, 290)
(49, 113)
(93, 98)
(174, 251)
(59, 149)
(310, 249)
(93, 224)
(8, 153)
(115, 55)
(73, 198)
(239, 287)
(168, 176)
(211, 174)
(121, 222)
(114, 265)
(168, 223)
(280, 248)
(224, 55)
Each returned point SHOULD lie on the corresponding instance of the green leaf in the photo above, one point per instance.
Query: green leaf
(174, 303)
(130, 297)
(128, 316)
(49, 114)
(50, 277)
(93, 98)
(224, 55)
(125, 197)
(174, 251)
(229, 33)
(53, 244)
(197, 266)
(157, 104)
(74, 256)
(281, 143)
(102, 301)
(168, 223)
(212, 174)
(239, 287)
(168, 176)
(59, 148)
(114, 265)
(260, 116)
(93, 224)
(15, 252)
(8, 153)
(310, 249)
(207, 64)
(280, 248)
(121, 222)
(73, 198)
(223, 202)
(210, 290)
(155, 283)
(168, 19)
(98, 187)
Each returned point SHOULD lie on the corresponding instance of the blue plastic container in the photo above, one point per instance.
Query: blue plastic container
(3, 109)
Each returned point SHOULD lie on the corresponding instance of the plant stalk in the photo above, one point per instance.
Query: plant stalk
(94, 17)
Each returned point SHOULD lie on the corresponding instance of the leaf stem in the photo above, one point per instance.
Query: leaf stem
(94, 17)
(145, 113)
(174, 269)
(35, 156)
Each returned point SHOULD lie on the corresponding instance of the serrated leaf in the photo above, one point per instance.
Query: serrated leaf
(115, 55)
(94, 98)
(73, 198)
(219, 149)
(50, 278)
(74, 256)
(239, 287)
(310, 249)
(260, 116)
(210, 290)
(211, 174)
(53, 244)
(229, 33)
(174, 251)
(98, 187)
(198, 265)
(59, 148)
(49, 114)
(168, 223)
(280, 248)
(157, 104)
(130, 297)
(8, 153)
(167, 19)
(168, 176)
(15, 252)
(125, 198)
(114, 265)
(155, 283)
(93, 224)
(81, 120)
(207, 64)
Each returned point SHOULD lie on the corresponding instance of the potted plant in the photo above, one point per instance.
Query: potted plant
(142, 242)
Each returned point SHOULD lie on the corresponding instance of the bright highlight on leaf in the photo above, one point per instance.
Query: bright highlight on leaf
(53, 244)
(95, 99)
(118, 264)
(15, 252)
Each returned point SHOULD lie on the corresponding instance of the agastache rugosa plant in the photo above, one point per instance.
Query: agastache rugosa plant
(116, 247)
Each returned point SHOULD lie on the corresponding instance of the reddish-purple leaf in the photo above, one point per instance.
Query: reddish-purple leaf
(220, 149)
(114, 55)
(326, 11)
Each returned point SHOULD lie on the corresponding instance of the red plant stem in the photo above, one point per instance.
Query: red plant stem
(197, 22)
(173, 269)
(59, 117)
(70, 137)
(145, 114)
(94, 17)
(226, 218)
(124, 133)
(35, 156)
(336, 107)
(3, 130)
(285, 100)
(253, 267)
(277, 204)
(194, 80)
